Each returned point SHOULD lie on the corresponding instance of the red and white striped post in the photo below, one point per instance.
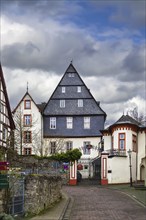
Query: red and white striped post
(73, 173)
(104, 158)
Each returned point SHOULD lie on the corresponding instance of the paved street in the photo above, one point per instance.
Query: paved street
(97, 203)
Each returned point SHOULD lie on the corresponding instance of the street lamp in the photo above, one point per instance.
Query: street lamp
(129, 153)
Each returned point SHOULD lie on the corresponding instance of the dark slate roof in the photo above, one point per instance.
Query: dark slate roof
(126, 119)
(76, 80)
(41, 106)
(91, 107)
(71, 108)
(12, 125)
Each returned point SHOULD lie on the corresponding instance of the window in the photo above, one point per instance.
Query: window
(86, 167)
(63, 89)
(5, 133)
(80, 102)
(86, 148)
(27, 151)
(122, 141)
(134, 142)
(27, 120)
(53, 147)
(62, 103)
(27, 137)
(86, 122)
(69, 122)
(79, 89)
(27, 104)
(71, 74)
(69, 145)
(53, 123)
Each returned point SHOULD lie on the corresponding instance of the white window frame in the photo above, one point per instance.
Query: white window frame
(86, 150)
(62, 103)
(71, 74)
(79, 89)
(63, 89)
(86, 122)
(69, 145)
(69, 122)
(52, 123)
(80, 103)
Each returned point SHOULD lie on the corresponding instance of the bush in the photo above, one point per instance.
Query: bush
(4, 216)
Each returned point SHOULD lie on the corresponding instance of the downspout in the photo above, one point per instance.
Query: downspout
(41, 134)
(136, 157)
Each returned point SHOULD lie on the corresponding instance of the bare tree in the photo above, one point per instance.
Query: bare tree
(53, 146)
(140, 117)
(21, 129)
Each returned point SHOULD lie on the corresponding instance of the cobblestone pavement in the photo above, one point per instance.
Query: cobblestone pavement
(97, 203)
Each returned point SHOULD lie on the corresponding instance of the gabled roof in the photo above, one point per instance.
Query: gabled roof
(12, 125)
(126, 119)
(123, 120)
(71, 96)
(27, 93)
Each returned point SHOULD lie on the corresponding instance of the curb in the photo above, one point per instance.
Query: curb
(132, 197)
(68, 199)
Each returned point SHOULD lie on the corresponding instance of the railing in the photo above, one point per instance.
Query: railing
(117, 152)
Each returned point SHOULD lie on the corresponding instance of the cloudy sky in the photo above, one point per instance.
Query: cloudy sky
(105, 39)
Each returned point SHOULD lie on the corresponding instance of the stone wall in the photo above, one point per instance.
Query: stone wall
(2, 199)
(41, 191)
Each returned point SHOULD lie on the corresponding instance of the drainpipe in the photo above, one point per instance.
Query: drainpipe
(145, 161)
(136, 157)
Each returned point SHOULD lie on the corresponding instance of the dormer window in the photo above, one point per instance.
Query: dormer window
(71, 74)
(27, 104)
(63, 89)
(79, 89)
(80, 102)
(62, 103)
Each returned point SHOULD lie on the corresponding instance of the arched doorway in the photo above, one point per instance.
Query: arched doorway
(142, 172)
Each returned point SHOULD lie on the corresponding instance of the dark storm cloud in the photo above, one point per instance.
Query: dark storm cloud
(134, 65)
(55, 54)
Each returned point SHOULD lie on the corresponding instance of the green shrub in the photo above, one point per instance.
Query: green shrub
(4, 216)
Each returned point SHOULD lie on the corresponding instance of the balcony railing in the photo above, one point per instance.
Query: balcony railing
(117, 152)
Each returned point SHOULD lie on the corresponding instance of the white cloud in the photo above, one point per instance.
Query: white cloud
(39, 49)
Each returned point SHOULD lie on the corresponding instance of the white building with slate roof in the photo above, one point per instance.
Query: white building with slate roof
(72, 118)
(124, 135)
(29, 126)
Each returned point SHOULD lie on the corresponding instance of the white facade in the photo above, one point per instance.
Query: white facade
(28, 121)
(118, 161)
(87, 155)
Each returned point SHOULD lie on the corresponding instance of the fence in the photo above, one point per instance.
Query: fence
(16, 195)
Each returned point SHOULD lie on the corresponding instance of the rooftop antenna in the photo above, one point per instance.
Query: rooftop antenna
(27, 87)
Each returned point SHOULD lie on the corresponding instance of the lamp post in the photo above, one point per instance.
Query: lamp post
(129, 153)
